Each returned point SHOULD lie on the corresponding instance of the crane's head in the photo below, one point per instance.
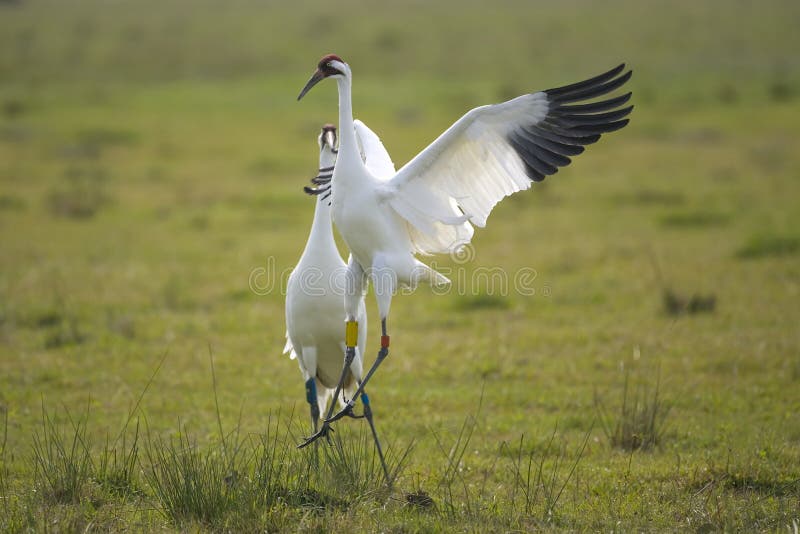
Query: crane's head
(330, 65)
(327, 138)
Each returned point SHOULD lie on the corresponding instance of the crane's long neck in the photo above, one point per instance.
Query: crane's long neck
(320, 238)
(348, 147)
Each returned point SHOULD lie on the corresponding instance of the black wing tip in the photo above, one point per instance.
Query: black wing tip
(600, 129)
(626, 110)
(621, 67)
(627, 76)
(616, 70)
(591, 139)
(609, 77)
(621, 124)
(592, 107)
(545, 146)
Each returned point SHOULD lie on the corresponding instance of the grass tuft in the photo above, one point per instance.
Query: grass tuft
(768, 246)
(117, 469)
(61, 461)
(273, 477)
(456, 498)
(243, 481)
(538, 483)
(237, 481)
(640, 419)
(352, 466)
(189, 483)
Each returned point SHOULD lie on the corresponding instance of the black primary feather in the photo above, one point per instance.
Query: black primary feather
(568, 127)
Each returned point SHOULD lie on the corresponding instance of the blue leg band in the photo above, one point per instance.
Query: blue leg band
(311, 391)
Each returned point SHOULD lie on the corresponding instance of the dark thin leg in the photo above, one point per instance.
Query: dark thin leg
(382, 354)
(349, 355)
(311, 397)
(368, 416)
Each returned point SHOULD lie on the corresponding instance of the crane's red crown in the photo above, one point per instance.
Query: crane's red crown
(324, 66)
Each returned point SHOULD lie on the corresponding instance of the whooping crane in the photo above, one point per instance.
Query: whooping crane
(314, 297)
(431, 204)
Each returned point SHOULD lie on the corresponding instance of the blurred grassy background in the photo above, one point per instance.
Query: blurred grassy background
(152, 156)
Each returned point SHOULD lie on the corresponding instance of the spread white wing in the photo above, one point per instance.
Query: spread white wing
(374, 154)
(494, 151)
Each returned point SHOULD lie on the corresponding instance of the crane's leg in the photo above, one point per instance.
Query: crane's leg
(368, 416)
(382, 354)
(326, 426)
(354, 291)
(384, 280)
(311, 397)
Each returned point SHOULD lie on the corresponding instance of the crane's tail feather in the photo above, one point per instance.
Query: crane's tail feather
(423, 273)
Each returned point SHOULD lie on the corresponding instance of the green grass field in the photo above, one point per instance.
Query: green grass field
(152, 158)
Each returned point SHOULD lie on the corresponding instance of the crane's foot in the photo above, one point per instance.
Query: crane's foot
(323, 432)
(346, 411)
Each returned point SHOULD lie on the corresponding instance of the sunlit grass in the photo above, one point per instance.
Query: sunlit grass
(152, 159)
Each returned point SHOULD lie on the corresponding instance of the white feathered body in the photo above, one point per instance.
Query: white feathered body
(315, 310)
(376, 236)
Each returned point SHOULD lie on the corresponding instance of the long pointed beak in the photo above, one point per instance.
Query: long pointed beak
(315, 79)
(329, 138)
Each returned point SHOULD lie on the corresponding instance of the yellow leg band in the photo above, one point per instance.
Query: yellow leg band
(351, 333)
